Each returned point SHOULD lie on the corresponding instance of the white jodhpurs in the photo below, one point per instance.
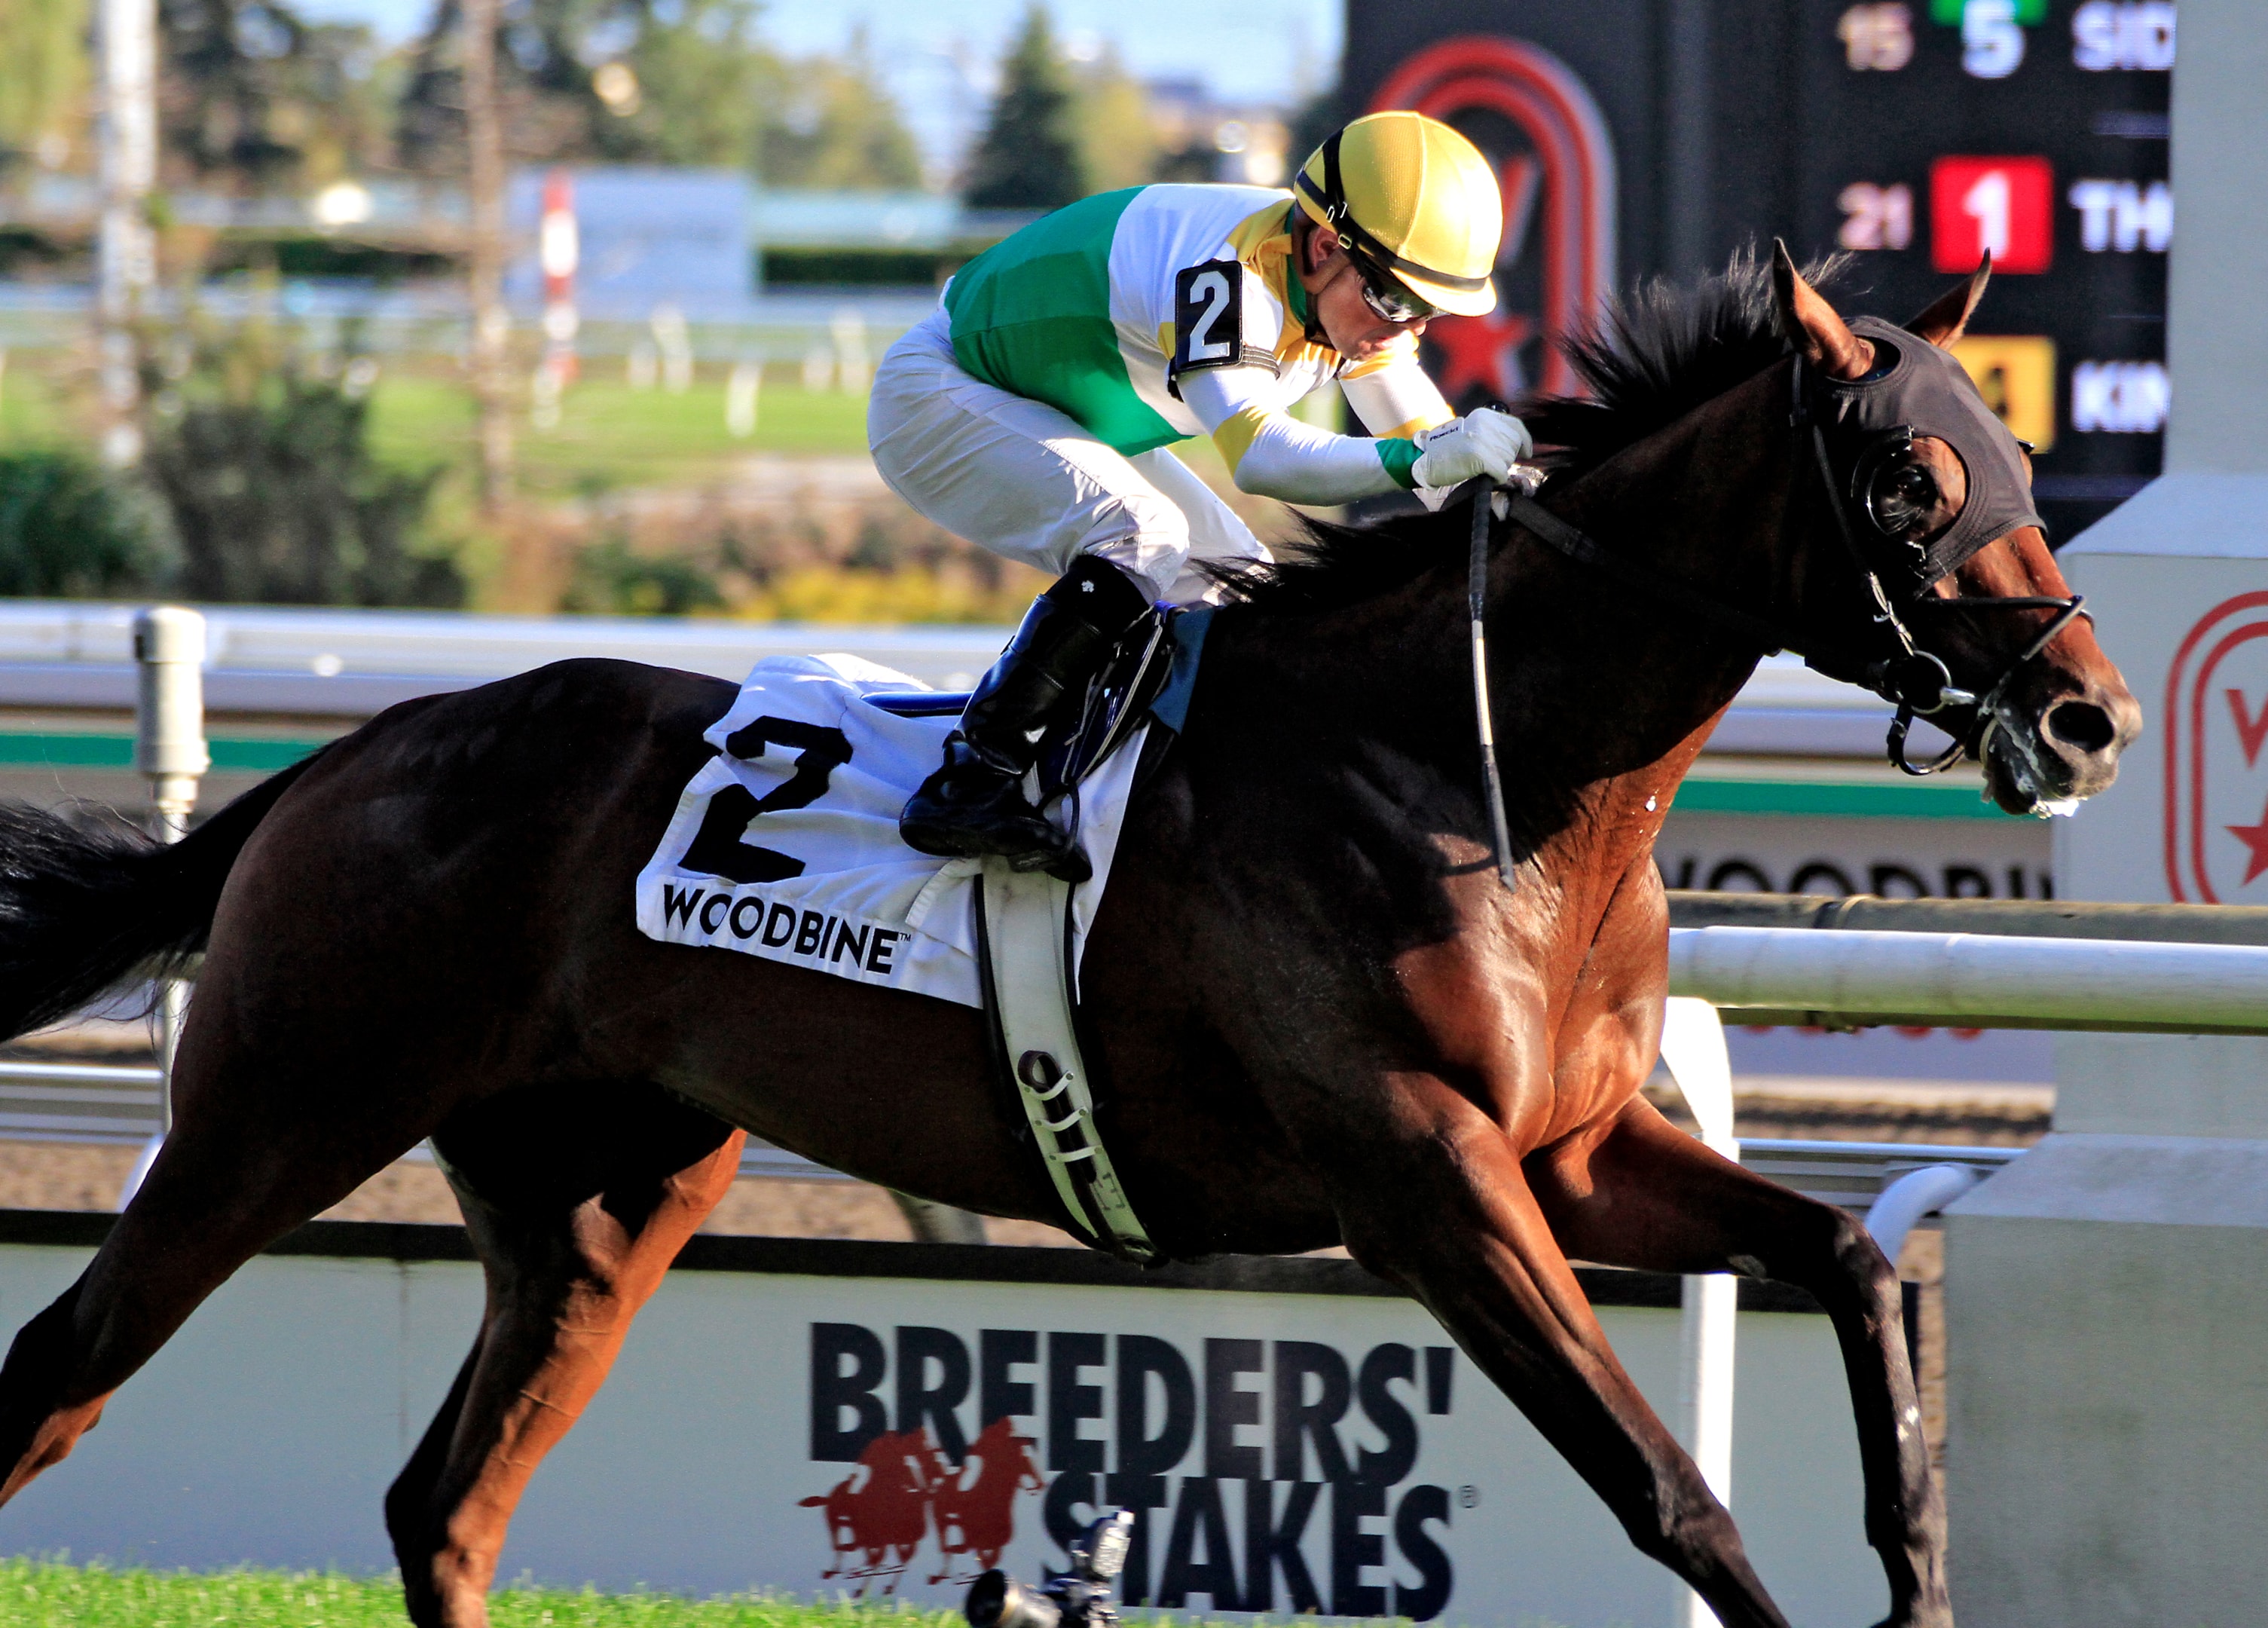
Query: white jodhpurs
(1025, 481)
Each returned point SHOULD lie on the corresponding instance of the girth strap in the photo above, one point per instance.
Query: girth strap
(1023, 944)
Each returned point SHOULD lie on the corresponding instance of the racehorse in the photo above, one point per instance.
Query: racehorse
(1319, 1014)
(978, 1519)
(880, 1512)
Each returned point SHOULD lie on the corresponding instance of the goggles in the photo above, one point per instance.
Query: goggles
(1389, 300)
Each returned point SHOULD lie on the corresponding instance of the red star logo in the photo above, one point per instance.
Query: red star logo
(1479, 350)
(2256, 838)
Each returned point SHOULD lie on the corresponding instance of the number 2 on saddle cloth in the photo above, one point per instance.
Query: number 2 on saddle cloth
(721, 848)
(1109, 712)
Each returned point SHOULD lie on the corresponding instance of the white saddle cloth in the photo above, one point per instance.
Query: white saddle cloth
(841, 893)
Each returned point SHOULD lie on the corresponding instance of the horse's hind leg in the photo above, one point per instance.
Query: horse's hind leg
(1649, 1195)
(267, 1135)
(577, 1209)
(1442, 1208)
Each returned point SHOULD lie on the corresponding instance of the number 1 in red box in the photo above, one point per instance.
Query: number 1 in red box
(2006, 205)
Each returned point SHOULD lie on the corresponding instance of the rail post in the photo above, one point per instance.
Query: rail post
(1693, 1051)
(169, 751)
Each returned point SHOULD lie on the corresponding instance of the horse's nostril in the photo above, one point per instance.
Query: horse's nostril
(2081, 724)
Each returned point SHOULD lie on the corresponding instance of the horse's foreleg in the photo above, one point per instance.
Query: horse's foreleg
(565, 1281)
(1445, 1213)
(1649, 1195)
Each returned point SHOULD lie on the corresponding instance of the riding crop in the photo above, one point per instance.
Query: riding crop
(1476, 595)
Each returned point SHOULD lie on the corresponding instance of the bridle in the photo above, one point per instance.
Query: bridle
(1913, 680)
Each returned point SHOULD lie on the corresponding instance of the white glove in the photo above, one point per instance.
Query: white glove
(1483, 442)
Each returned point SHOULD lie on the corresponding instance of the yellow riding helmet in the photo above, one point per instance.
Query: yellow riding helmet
(1412, 195)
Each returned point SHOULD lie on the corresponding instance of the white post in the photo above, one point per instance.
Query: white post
(1693, 1051)
(853, 371)
(674, 341)
(169, 750)
(743, 391)
(125, 248)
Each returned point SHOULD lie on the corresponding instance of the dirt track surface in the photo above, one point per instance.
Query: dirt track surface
(59, 1175)
(53, 1176)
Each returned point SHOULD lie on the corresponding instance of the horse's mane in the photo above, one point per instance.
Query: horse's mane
(1655, 355)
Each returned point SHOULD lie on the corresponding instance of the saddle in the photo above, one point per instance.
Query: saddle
(1023, 922)
(1138, 670)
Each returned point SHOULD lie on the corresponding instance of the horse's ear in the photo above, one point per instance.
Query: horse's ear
(1810, 324)
(1948, 313)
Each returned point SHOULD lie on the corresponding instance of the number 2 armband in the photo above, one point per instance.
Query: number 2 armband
(1209, 324)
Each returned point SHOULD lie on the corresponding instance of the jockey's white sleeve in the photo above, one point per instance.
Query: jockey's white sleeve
(1272, 454)
(1392, 395)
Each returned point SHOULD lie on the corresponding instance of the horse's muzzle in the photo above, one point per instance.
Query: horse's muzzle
(2061, 749)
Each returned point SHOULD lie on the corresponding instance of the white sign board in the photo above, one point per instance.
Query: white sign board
(2188, 820)
(807, 1433)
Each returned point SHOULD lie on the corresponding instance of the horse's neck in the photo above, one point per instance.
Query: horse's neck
(1601, 679)
(1601, 695)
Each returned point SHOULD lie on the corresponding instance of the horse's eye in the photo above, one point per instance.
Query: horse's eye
(1902, 498)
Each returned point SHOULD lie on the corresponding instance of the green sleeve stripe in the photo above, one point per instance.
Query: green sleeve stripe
(1398, 455)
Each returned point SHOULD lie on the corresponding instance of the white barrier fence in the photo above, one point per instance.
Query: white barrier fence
(1969, 978)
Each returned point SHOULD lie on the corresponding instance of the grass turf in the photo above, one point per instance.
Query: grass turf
(609, 434)
(42, 1593)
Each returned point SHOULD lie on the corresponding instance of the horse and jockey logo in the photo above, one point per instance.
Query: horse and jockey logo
(903, 1488)
(2216, 727)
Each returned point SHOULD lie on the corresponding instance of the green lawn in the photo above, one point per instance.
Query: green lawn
(37, 407)
(42, 1593)
(609, 434)
(36, 1594)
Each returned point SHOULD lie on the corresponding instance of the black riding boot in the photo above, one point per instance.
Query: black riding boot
(975, 803)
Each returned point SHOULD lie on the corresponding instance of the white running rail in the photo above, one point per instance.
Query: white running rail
(2180, 988)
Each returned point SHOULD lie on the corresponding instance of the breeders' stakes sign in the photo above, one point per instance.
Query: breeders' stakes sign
(890, 1419)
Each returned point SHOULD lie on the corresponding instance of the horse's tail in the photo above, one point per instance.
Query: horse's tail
(83, 907)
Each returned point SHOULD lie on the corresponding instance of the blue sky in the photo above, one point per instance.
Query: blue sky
(937, 53)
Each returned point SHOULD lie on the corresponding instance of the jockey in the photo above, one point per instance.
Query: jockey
(1031, 413)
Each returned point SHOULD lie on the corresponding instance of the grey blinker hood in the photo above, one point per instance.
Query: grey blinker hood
(1926, 390)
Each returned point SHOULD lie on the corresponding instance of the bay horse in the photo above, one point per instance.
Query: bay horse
(1319, 1015)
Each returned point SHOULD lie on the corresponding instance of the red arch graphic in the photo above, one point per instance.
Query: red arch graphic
(2185, 738)
(1552, 106)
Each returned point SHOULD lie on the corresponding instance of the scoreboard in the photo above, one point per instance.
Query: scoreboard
(1638, 137)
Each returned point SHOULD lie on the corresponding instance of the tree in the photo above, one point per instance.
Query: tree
(1117, 138)
(68, 528)
(260, 454)
(702, 87)
(43, 64)
(255, 99)
(1028, 158)
(549, 106)
(838, 128)
(677, 82)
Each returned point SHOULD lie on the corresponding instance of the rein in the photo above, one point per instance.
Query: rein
(1914, 681)
(1477, 599)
